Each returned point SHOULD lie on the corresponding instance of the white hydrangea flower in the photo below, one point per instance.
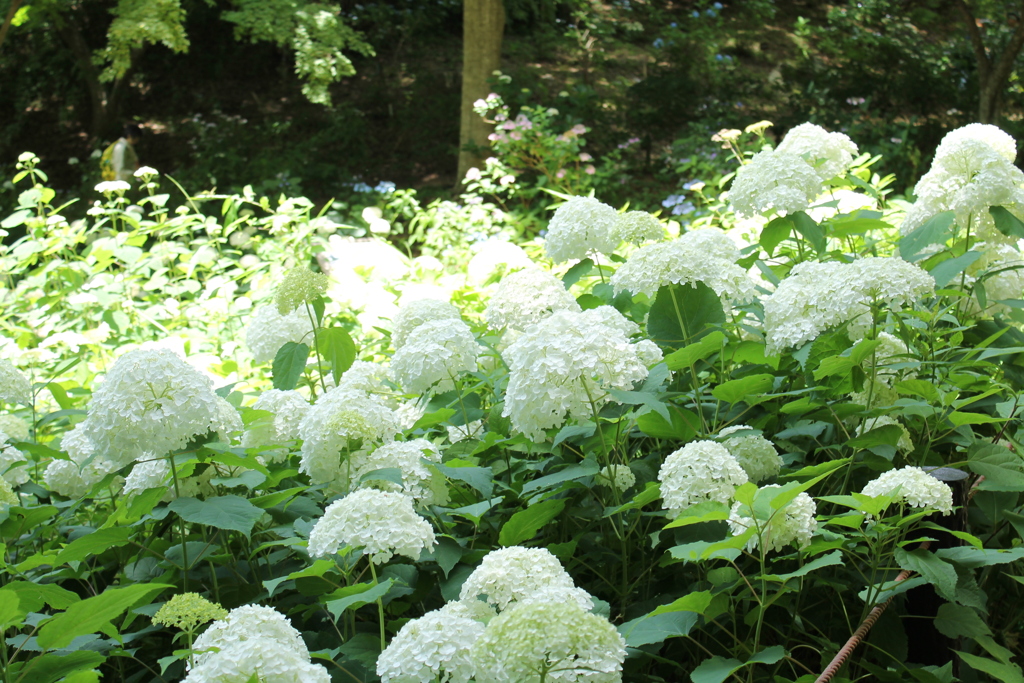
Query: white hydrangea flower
(13, 463)
(457, 433)
(434, 355)
(830, 154)
(562, 640)
(14, 427)
(513, 574)
(905, 443)
(969, 177)
(269, 331)
(526, 297)
(364, 376)
(914, 487)
(755, 454)
(774, 180)
(617, 476)
(698, 472)
(253, 641)
(424, 485)
(637, 227)
(287, 409)
(993, 136)
(564, 365)
(227, 422)
(144, 171)
(382, 523)
(111, 186)
(1005, 281)
(68, 477)
(793, 524)
(414, 313)
(154, 472)
(7, 494)
(14, 387)
(580, 227)
(817, 296)
(434, 647)
(707, 256)
(493, 256)
(340, 422)
(151, 401)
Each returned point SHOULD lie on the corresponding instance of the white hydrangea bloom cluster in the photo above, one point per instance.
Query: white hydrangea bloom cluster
(151, 401)
(1006, 281)
(340, 422)
(364, 376)
(707, 256)
(414, 313)
(269, 331)
(698, 472)
(637, 227)
(774, 180)
(433, 355)
(253, 642)
(424, 485)
(13, 463)
(561, 364)
(435, 647)
(914, 487)
(227, 423)
(154, 472)
(298, 287)
(14, 427)
(755, 454)
(526, 297)
(830, 154)
(817, 296)
(287, 408)
(514, 574)
(560, 639)
(68, 477)
(793, 524)
(382, 523)
(14, 387)
(457, 433)
(7, 494)
(905, 443)
(973, 170)
(580, 227)
(618, 476)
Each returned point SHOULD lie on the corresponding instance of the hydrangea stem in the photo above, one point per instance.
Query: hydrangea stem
(380, 606)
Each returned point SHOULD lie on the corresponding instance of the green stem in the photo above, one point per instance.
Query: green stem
(316, 348)
(693, 371)
(380, 607)
(181, 522)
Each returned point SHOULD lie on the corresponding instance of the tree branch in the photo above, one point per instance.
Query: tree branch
(984, 64)
(1004, 66)
(7, 22)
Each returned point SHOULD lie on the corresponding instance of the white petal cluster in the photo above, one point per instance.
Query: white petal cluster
(973, 170)
(774, 180)
(817, 296)
(707, 256)
(426, 486)
(560, 639)
(7, 494)
(364, 376)
(699, 471)
(755, 454)
(515, 574)
(434, 355)
(14, 388)
(68, 477)
(1005, 267)
(565, 362)
(154, 472)
(637, 227)
(580, 227)
(526, 297)
(414, 313)
(269, 331)
(13, 463)
(382, 523)
(253, 643)
(151, 401)
(793, 524)
(830, 154)
(914, 487)
(287, 408)
(619, 477)
(434, 647)
(14, 427)
(227, 423)
(340, 422)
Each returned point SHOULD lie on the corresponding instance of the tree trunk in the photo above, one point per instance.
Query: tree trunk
(483, 27)
(993, 70)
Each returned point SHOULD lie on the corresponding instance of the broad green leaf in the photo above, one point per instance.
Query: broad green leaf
(697, 601)
(437, 417)
(289, 364)
(957, 621)
(32, 596)
(887, 435)
(651, 628)
(743, 389)
(11, 613)
(682, 428)
(317, 569)
(688, 355)
(1002, 468)
(587, 468)
(919, 387)
(354, 597)
(447, 553)
(479, 478)
(573, 275)
(681, 313)
(391, 474)
(525, 524)
(1007, 223)
(833, 558)
(774, 233)
(936, 230)
(52, 667)
(651, 493)
(945, 271)
(90, 615)
(221, 512)
(940, 574)
(971, 558)
(959, 418)
(811, 231)
(717, 669)
(93, 544)
(708, 511)
(1004, 673)
(337, 348)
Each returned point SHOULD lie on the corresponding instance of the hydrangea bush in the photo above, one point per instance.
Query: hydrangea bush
(237, 447)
